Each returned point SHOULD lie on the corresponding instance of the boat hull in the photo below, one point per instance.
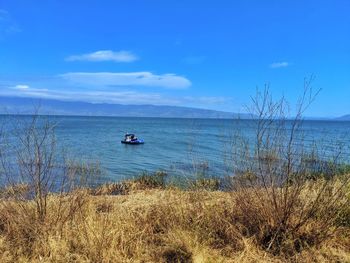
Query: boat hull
(133, 142)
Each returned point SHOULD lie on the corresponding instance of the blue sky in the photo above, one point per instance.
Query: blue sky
(208, 54)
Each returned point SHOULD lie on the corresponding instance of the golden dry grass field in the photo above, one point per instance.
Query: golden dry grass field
(148, 225)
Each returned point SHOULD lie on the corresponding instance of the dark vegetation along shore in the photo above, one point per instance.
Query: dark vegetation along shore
(284, 203)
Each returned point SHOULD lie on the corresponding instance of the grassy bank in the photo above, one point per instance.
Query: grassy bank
(145, 221)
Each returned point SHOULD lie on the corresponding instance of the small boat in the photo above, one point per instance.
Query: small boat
(130, 138)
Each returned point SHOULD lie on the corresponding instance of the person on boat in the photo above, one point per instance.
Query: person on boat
(127, 137)
(131, 139)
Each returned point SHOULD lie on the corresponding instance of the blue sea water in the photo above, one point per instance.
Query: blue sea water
(172, 145)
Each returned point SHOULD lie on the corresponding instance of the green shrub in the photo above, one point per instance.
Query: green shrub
(155, 180)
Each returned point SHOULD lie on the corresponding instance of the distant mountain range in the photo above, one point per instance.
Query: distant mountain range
(18, 105)
(344, 118)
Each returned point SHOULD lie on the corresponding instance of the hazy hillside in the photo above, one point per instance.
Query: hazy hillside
(56, 107)
(344, 118)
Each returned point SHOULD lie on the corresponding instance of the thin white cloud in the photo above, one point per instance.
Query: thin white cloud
(114, 97)
(168, 81)
(283, 64)
(122, 97)
(105, 55)
(21, 87)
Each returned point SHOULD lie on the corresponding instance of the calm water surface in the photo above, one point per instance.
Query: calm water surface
(173, 145)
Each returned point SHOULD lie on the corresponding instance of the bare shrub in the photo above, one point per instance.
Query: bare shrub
(281, 204)
(32, 160)
(33, 171)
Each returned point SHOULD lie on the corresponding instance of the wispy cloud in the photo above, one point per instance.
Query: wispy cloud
(169, 81)
(20, 87)
(113, 97)
(3, 14)
(94, 96)
(283, 64)
(105, 55)
(7, 23)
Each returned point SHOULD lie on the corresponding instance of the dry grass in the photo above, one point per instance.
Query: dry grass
(148, 225)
